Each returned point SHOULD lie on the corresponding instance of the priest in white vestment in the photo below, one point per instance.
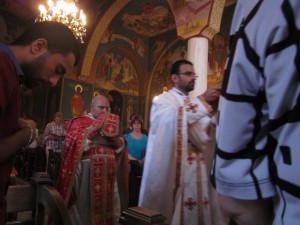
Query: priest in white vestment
(175, 178)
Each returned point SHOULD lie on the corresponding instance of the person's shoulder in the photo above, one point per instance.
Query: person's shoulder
(6, 65)
(165, 99)
(7, 59)
(128, 137)
(4, 57)
(77, 120)
(49, 124)
(80, 119)
(145, 137)
(127, 131)
(145, 132)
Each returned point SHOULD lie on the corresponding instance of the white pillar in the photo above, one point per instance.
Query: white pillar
(198, 55)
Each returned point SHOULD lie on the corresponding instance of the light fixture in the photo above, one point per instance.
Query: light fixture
(66, 13)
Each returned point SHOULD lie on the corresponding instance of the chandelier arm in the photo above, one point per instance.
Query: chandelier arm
(66, 13)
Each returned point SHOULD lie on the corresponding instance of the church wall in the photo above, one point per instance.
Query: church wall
(150, 56)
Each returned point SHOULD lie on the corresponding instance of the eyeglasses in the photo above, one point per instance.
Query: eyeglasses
(188, 73)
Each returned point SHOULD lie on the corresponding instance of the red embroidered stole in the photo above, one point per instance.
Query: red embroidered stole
(102, 182)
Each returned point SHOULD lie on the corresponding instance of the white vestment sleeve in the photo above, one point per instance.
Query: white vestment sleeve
(200, 133)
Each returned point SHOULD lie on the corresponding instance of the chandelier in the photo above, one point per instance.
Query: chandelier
(66, 13)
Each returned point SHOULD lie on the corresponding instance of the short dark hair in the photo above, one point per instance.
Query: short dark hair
(176, 65)
(58, 114)
(136, 118)
(59, 37)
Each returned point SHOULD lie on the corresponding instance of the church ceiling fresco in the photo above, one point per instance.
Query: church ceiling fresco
(147, 18)
(134, 42)
(197, 17)
(158, 45)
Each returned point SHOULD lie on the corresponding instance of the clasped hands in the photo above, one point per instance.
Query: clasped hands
(97, 137)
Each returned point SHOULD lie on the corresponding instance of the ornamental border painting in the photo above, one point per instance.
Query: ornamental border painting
(76, 98)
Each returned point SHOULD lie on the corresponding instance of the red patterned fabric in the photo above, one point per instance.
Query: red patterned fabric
(71, 154)
(103, 168)
(103, 164)
(107, 126)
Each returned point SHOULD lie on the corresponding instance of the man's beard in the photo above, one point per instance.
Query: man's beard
(32, 71)
(189, 87)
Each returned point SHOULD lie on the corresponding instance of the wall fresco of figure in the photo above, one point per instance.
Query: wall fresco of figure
(76, 98)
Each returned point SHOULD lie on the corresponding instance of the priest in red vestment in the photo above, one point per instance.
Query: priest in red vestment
(93, 174)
